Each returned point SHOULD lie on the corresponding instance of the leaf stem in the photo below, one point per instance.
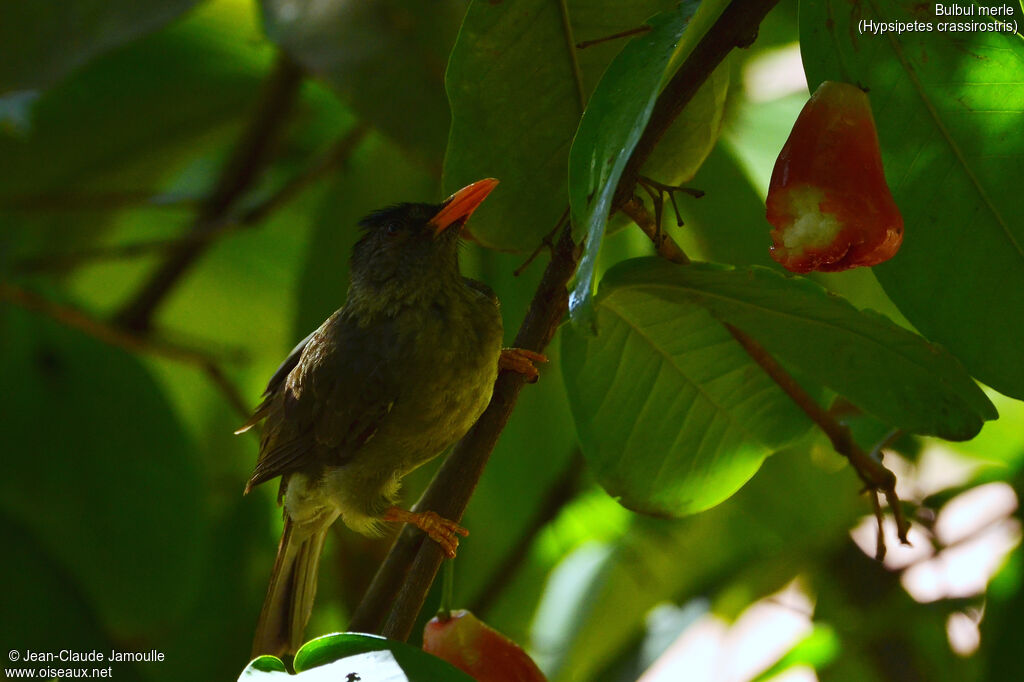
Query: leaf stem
(570, 43)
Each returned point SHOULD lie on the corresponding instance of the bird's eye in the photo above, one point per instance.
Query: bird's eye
(392, 228)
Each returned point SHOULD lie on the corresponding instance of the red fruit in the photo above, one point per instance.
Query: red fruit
(478, 649)
(828, 200)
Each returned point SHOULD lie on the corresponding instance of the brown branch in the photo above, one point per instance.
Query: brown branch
(251, 156)
(335, 157)
(735, 27)
(128, 340)
(665, 245)
(398, 590)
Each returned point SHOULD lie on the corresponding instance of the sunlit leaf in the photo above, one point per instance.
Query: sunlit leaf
(612, 124)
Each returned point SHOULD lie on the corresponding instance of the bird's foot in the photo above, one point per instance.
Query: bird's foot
(439, 529)
(520, 361)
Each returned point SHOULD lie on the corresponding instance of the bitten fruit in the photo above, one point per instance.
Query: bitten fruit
(828, 200)
(479, 650)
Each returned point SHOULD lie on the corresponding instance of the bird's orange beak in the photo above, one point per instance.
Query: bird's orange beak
(459, 206)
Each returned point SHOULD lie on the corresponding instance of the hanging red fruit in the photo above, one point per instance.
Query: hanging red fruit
(478, 649)
(828, 199)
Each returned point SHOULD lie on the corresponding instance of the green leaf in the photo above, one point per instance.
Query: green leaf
(672, 414)
(385, 57)
(885, 370)
(101, 474)
(42, 40)
(948, 108)
(611, 126)
(517, 86)
(336, 657)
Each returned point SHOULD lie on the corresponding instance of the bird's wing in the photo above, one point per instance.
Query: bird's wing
(275, 384)
(331, 401)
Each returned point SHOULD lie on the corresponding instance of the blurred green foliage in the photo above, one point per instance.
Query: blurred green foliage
(121, 502)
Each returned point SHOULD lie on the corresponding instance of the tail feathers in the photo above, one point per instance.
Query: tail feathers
(292, 587)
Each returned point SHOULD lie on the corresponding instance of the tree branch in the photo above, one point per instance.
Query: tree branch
(250, 157)
(128, 340)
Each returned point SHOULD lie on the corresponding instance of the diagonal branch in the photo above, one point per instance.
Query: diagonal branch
(243, 168)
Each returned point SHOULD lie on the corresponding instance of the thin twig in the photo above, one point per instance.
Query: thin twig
(396, 595)
(547, 241)
(665, 245)
(621, 34)
(250, 157)
(128, 340)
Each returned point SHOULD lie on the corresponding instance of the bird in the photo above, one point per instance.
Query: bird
(389, 381)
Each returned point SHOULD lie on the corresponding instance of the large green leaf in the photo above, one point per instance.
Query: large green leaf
(672, 414)
(948, 105)
(101, 474)
(42, 40)
(351, 655)
(614, 120)
(517, 87)
(885, 370)
(386, 57)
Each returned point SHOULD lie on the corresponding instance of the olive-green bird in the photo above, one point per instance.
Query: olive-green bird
(388, 382)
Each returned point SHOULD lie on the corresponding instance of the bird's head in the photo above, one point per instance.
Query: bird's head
(408, 250)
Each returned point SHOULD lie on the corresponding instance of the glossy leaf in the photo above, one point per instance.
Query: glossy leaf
(611, 126)
(517, 87)
(42, 40)
(885, 370)
(948, 107)
(386, 57)
(673, 416)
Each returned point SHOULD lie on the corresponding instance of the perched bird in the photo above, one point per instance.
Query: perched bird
(386, 383)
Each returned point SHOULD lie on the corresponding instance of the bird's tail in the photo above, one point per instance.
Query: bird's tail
(292, 587)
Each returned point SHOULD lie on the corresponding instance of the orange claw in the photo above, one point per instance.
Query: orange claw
(520, 361)
(439, 529)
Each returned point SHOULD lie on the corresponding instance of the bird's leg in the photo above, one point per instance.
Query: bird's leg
(439, 529)
(521, 361)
